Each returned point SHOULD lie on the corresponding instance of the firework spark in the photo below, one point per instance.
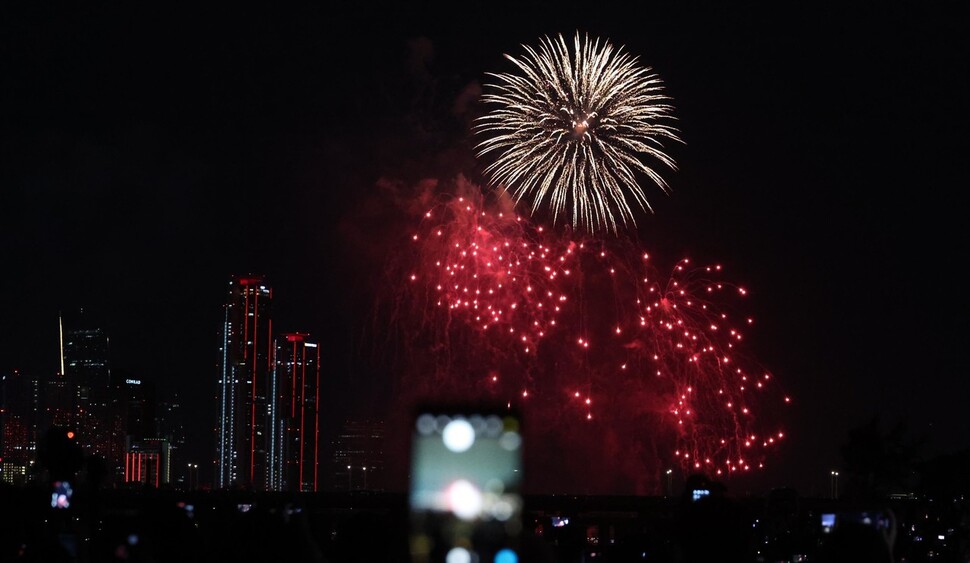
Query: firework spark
(585, 332)
(572, 130)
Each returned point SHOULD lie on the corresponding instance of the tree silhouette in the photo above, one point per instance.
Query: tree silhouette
(879, 462)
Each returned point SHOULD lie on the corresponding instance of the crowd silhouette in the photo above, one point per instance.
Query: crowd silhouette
(48, 520)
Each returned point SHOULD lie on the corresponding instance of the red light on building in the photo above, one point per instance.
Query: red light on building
(148, 462)
(143, 468)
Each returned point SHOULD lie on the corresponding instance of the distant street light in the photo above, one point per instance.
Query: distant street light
(670, 486)
(350, 481)
(835, 484)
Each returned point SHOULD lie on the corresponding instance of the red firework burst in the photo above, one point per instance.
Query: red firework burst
(581, 329)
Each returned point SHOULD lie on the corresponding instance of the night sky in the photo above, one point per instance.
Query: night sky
(148, 154)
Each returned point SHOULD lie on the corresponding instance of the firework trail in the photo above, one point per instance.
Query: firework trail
(582, 332)
(572, 130)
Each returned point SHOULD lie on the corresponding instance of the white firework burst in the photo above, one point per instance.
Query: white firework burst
(573, 130)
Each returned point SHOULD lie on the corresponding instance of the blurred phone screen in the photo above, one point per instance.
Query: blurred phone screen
(465, 500)
(61, 495)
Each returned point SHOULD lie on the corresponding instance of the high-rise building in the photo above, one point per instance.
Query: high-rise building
(170, 421)
(148, 461)
(137, 405)
(84, 352)
(358, 455)
(19, 420)
(296, 447)
(85, 369)
(58, 399)
(245, 428)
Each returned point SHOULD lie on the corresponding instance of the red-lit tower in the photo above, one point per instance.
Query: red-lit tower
(297, 440)
(245, 427)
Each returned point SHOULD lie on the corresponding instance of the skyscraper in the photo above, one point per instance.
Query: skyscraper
(132, 415)
(19, 419)
(297, 390)
(148, 461)
(171, 425)
(86, 372)
(358, 455)
(84, 352)
(245, 427)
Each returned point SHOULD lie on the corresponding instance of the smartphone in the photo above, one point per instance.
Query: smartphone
(61, 495)
(465, 499)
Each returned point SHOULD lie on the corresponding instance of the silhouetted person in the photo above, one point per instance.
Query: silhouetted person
(856, 543)
(60, 454)
(713, 527)
(61, 457)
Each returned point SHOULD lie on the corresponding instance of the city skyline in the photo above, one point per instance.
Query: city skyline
(819, 166)
(289, 456)
(125, 432)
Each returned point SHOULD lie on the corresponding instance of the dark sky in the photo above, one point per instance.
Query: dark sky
(147, 154)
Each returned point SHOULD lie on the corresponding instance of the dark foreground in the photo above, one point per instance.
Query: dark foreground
(163, 525)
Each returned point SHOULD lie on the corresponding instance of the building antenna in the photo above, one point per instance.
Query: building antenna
(60, 330)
